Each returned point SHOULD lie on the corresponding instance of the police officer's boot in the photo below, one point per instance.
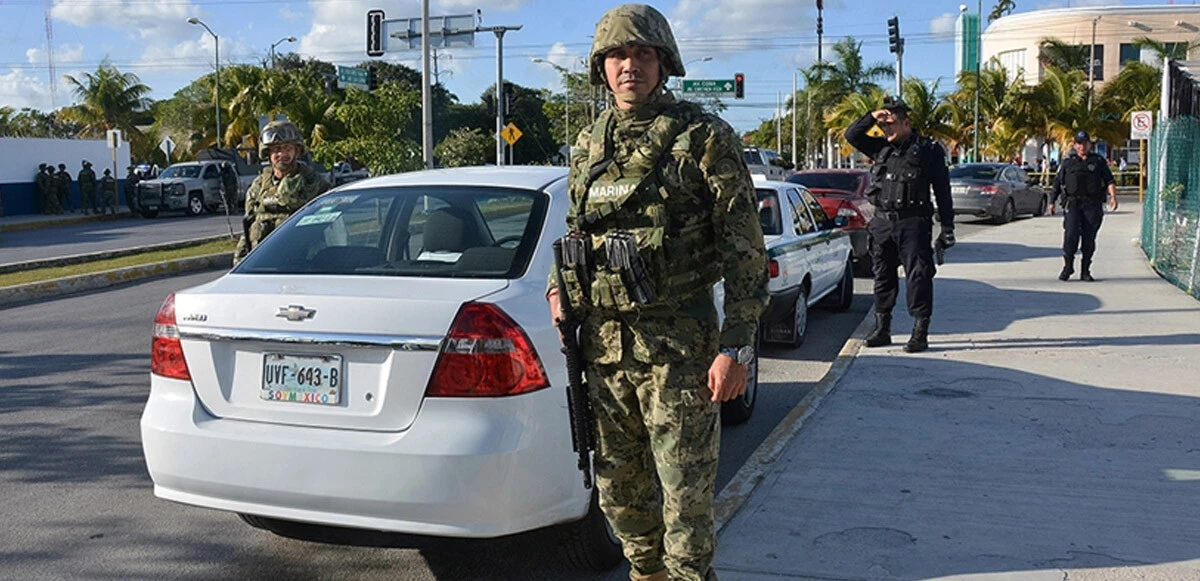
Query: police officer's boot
(882, 334)
(1085, 272)
(1067, 270)
(920, 336)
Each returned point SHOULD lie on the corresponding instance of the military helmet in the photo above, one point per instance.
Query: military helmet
(279, 133)
(634, 24)
(87, 163)
(41, 167)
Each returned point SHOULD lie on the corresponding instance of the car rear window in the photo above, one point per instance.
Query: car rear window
(768, 212)
(828, 181)
(975, 172)
(457, 232)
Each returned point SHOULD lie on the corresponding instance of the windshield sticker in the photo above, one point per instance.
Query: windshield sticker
(319, 218)
(335, 201)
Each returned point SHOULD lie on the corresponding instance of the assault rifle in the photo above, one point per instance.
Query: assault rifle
(583, 436)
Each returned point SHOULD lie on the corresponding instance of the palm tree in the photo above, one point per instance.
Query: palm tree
(1001, 9)
(109, 99)
(850, 109)
(315, 114)
(928, 111)
(1067, 57)
(255, 92)
(1175, 51)
(1136, 88)
(848, 75)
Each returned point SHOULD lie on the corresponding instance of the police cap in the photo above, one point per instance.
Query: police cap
(1082, 137)
(895, 104)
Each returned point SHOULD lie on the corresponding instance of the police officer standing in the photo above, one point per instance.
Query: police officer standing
(907, 166)
(1081, 182)
(280, 189)
(663, 184)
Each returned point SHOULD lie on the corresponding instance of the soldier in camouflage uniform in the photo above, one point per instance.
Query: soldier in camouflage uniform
(108, 193)
(131, 183)
(673, 177)
(87, 188)
(62, 182)
(280, 189)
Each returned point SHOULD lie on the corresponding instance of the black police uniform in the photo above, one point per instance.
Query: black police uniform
(902, 230)
(1082, 183)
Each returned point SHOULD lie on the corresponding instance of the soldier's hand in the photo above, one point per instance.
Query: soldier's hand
(726, 379)
(1051, 209)
(555, 309)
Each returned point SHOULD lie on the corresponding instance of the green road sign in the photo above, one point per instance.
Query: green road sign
(709, 87)
(353, 77)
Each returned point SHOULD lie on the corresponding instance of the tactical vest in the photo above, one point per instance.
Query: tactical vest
(902, 180)
(1081, 176)
(633, 196)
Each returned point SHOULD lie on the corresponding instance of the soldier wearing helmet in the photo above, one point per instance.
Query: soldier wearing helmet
(87, 188)
(663, 184)
(280, 189)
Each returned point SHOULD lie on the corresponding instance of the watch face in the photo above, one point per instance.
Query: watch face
(745, 355)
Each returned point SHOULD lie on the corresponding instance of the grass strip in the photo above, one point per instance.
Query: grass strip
(44, 274)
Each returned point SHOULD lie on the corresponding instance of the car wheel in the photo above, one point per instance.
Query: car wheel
(1008, 213)
(148, 213)
(800, 318)
(1043, 205)
(195, 205)
(590, 543)
(738, 411)
(839, 300)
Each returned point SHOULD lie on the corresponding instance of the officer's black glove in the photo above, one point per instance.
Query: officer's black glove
(947, 237)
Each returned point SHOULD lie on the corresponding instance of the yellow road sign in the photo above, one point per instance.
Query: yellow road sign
(510, 133)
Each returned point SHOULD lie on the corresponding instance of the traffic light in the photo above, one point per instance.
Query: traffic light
(894, 42)
(739, 86)
(510, 99)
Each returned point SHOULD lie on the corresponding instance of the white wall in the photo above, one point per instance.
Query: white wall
(19, 157)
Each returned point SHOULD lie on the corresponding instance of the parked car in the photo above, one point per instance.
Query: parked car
(999, 191)
(384, 360)
(843, 192)
(810, 259)
(766, 162)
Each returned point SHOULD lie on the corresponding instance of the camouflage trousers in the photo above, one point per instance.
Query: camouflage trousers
(88, 200)
(658, 442)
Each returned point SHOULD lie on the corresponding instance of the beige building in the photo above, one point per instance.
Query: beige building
(1013, 40)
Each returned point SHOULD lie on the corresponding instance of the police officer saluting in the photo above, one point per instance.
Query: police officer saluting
(660, 188)
(907, 165)
(1081, 182)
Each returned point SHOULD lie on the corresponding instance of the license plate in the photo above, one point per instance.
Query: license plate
(316, 379)
(958, 190)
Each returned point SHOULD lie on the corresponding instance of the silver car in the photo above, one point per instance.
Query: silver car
(999, 191)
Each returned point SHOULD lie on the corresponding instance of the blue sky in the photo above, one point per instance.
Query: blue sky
(765, 39)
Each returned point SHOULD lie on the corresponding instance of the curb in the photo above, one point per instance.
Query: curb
(106, 254)
(738, 490)
(64, 221)
(18, 294)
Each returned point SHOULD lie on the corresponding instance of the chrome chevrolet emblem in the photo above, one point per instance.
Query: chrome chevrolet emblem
(295, 313)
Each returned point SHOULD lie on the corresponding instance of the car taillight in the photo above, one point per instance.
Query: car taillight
(854, 218)
(486, 354)
(166, 351)
(773, 268)
(984, 191)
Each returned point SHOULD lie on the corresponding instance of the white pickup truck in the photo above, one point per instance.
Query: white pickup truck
(191, 186)
(809, 259)
(766, 163)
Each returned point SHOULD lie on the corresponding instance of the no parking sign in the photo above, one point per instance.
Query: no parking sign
(1141, 124)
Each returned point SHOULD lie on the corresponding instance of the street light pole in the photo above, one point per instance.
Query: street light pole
(277, 43)
(217, 62)
(567, 114)
(1092, 65)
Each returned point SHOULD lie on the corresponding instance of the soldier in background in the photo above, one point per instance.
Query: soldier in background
(229, 185)
(669, 180)
(108, 193)
(131, 183)
(62, 182)
(87, 188)
(280, 189)
(50, 190)
(39, 188)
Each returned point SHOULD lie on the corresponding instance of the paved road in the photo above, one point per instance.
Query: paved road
(127, 232)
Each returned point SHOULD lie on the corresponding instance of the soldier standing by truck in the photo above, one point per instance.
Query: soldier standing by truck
(131, 183)
(87, 188)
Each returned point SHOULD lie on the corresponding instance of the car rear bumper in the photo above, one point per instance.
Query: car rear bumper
(978, 205)
(465, 468)
(780, 305)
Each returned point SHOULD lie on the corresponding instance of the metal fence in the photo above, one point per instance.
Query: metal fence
(1171, 208)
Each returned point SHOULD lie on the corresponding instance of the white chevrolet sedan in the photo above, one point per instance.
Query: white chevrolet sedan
(386, 361)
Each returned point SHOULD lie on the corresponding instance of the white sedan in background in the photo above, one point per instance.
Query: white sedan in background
(810, 259)
(385, 360)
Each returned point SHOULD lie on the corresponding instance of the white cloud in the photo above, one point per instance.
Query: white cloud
(287, 13)
(66, 54)
(159, 21)
(942, 27)
(196, 53)
(710, 27)
(18, 89)
(560, 55)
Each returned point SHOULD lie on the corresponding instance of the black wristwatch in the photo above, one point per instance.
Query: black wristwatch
(742, 355)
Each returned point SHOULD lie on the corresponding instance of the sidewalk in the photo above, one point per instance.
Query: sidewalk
(30, 221)
(1052, 431)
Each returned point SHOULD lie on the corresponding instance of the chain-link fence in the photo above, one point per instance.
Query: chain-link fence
(1171, 212)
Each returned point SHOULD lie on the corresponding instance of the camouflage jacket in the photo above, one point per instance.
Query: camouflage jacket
(87, 180)
(269, 197)
(704, 164)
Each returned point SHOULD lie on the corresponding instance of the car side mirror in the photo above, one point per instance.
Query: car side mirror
(841, 221)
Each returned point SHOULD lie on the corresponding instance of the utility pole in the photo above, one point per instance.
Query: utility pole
(794, 88)
(1092, 65)
(426, 90)
(978, 77)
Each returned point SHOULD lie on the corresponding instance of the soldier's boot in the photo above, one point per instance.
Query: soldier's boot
(1068, 269)
(882, 334)
(1085, 271)
(920, 336)
(659, 576)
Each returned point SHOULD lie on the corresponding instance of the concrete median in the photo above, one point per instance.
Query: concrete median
(24, 293)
